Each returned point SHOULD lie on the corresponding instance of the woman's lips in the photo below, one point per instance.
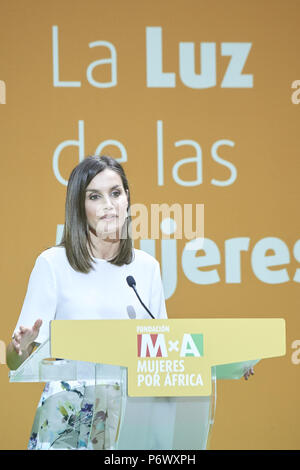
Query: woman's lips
(106, 217)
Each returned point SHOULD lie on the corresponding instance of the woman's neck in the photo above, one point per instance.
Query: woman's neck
(104, 248)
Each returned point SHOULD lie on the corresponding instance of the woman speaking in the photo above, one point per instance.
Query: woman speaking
(84, 278)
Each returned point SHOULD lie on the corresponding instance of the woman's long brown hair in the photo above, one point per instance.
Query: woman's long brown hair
(76, 234)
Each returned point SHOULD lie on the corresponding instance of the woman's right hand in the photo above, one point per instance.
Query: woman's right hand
(25, 336)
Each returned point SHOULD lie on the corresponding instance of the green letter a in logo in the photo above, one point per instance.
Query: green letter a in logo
(192, 345)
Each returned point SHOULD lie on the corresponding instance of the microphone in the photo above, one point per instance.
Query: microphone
(131, 282)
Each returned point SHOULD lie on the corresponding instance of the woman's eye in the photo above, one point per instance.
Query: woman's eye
(114, 194)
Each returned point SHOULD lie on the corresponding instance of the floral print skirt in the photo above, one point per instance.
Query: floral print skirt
(77, 415)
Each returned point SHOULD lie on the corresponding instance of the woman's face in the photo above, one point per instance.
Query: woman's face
(106, 204)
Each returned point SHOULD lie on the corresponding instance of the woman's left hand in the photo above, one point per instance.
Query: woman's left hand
(249, 372)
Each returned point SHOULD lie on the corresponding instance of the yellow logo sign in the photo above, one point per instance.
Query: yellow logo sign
(168, 357)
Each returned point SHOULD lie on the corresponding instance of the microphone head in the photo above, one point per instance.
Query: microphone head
(130, 281)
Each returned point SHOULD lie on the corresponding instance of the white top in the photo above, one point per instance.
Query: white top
(57, 292)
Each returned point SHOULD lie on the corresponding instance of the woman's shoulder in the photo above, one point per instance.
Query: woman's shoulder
(56, 256)
(53, 254)
(141, 256)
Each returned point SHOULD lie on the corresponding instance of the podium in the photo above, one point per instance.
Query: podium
(176, 410)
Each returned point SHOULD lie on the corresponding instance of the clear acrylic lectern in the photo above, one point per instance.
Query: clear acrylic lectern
(147, 423)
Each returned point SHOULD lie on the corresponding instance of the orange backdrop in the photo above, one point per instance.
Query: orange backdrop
(206, 80)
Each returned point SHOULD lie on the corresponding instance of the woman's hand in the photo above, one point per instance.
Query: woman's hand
(248, 373)
(25, 336)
